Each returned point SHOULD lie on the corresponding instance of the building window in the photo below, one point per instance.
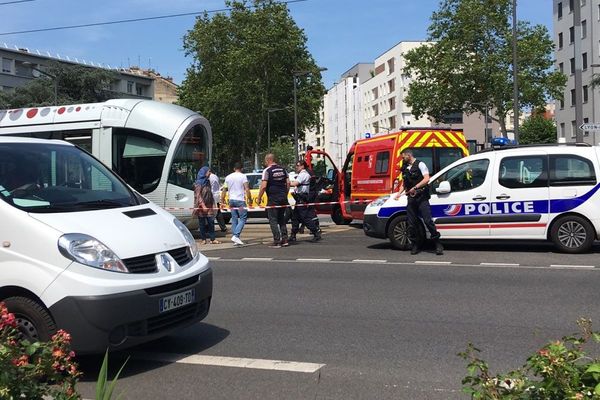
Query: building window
(139, 90)
(392, 102)
(583, 29)
(129, 87)
(572, 34)
(559, 10)
(562, 129)
(560, 40)
(392, 122)
(392, 85)
(561, 68)
(375, 94)
(572, 61)
(571, 6)
(573, 129)
(573, 97)
(562, 104)
(584, 60)
(7, 64)
(390, 66)
(582, 3)
(585, 94)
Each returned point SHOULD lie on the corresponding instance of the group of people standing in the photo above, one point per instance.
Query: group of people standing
(209, 198)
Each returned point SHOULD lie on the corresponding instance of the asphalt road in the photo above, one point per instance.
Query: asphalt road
(371, 323)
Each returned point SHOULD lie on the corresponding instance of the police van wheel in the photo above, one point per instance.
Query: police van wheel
(572, 234)
(33, 320)
(338, 217)
(398, 233)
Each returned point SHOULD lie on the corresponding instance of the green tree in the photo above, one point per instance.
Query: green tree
(283, 148)
(537, 129)
(76, 84)
(244, 63)
(468, 65)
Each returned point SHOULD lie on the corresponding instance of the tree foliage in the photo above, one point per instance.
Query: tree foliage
(76, 84)
(468, 66)
(244, 63)
(537, 129)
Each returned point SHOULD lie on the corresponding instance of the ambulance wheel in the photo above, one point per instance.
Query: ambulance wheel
(33, 320)
(398, 233)
(572, 234)
(338, 217)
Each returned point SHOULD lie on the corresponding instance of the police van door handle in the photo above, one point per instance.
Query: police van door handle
(479, 198)
(503, 197)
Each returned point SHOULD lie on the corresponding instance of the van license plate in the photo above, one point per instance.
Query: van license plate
(177, 300)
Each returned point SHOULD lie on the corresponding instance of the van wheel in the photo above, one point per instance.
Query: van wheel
(33, 320)
(338, 217)
(572, 234)
(398, 233)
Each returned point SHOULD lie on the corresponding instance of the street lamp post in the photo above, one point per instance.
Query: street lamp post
(296, 75)
(53, 77)
(269, 111)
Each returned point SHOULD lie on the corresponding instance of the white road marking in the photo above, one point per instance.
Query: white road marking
(313, 259)
(369, 261)
(571, 266)
(213, 258)
(434, 262)
(234, 362)
(257, 259)
(500, 264)
(392, 263)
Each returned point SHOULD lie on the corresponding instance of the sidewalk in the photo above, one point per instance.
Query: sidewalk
(259, 233)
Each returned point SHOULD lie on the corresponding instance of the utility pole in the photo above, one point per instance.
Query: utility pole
(515, 72)
(578, 79)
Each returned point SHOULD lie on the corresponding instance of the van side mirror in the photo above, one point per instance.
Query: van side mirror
(444, 188)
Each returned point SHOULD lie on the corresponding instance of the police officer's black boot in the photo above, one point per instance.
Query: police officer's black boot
(439, 249)
(415, 249)
(317, 236)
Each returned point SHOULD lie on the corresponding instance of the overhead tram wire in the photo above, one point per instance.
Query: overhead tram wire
(124, 21)
(15, 2)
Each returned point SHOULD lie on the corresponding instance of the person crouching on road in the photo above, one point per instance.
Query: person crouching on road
(276, 184)
(303, 213)
(204, 207)
(236, 184)
(415, 180)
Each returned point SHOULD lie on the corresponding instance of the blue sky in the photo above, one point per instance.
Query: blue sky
(340, 33)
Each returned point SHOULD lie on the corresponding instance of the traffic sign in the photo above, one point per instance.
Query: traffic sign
(590, 127)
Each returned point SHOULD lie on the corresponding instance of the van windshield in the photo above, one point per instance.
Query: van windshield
(40, 177)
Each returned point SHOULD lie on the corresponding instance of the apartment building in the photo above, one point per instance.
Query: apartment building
(588, 57)
(17, 69)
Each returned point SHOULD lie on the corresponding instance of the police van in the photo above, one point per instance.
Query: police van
(519, 192)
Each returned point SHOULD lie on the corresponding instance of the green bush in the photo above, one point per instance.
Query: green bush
(35, 370)
(559, 370)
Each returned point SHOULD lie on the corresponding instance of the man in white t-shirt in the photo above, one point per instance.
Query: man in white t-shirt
(236, 184)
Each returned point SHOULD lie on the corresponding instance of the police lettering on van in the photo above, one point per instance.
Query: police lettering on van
(526, 192)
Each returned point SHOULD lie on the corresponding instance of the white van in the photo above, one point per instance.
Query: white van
(524, 192)
(83, 252)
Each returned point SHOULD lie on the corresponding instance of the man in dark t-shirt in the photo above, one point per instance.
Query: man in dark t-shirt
(276, 183)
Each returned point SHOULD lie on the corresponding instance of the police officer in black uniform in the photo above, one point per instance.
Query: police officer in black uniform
(415, 180)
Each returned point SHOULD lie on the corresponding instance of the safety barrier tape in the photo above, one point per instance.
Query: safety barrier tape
(250, 208)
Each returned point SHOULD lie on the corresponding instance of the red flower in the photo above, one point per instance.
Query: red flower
(544, 353)
(21, 361)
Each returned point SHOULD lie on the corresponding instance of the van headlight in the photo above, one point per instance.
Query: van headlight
(188, 237)
(87, 250)
(379, 201)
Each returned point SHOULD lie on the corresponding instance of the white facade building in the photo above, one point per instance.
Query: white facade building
(589, 60)
(383, 94)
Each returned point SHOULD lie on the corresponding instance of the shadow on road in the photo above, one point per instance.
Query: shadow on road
(188, 341)
(490, 246)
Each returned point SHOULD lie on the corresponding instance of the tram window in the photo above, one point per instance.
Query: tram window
(191, 154)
